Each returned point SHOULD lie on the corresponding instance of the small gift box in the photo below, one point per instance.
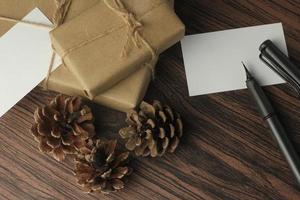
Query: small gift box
(123, 96)
(91, 44)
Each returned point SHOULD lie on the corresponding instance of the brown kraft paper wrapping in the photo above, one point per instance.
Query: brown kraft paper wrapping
(98, 64)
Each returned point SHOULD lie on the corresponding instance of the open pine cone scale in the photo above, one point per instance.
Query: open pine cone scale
(152, 130)
(63, 126)
(101, 168)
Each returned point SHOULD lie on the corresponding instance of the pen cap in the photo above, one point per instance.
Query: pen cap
(273, 57)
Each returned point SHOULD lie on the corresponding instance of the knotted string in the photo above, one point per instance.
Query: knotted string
(134, 27)
(133, 34)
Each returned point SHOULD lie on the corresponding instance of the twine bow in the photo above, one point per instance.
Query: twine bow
(133, 34)
(134, 27)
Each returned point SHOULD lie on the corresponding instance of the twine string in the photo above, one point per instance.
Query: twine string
(133, 34)
(62, 8)
(134, 27)
(35, 24)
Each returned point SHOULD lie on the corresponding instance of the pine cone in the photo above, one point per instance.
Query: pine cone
(63, 126)
(153, 130)
(102, 169)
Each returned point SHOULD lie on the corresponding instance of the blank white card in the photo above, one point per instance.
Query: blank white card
(213, 60)
(25, 53)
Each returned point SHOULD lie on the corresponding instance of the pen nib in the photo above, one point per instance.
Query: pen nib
(247, 72)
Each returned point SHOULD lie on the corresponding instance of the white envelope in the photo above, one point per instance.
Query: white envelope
(213, 60)
(25, 54)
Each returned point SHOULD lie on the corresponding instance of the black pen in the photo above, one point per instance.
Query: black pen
(269, 116)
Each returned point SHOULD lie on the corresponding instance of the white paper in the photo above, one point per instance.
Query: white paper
(213, 60)
(25, 54)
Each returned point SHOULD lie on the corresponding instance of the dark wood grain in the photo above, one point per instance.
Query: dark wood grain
(226, 153)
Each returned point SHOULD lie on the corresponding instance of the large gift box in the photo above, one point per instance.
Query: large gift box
(92, 43)
(123, 96)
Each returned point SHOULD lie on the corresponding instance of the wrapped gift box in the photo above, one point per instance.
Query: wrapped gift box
(124, 96)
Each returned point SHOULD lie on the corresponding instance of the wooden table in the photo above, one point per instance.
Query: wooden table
(226, 152)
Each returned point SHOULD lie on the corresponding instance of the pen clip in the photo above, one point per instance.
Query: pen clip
(269, 61)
